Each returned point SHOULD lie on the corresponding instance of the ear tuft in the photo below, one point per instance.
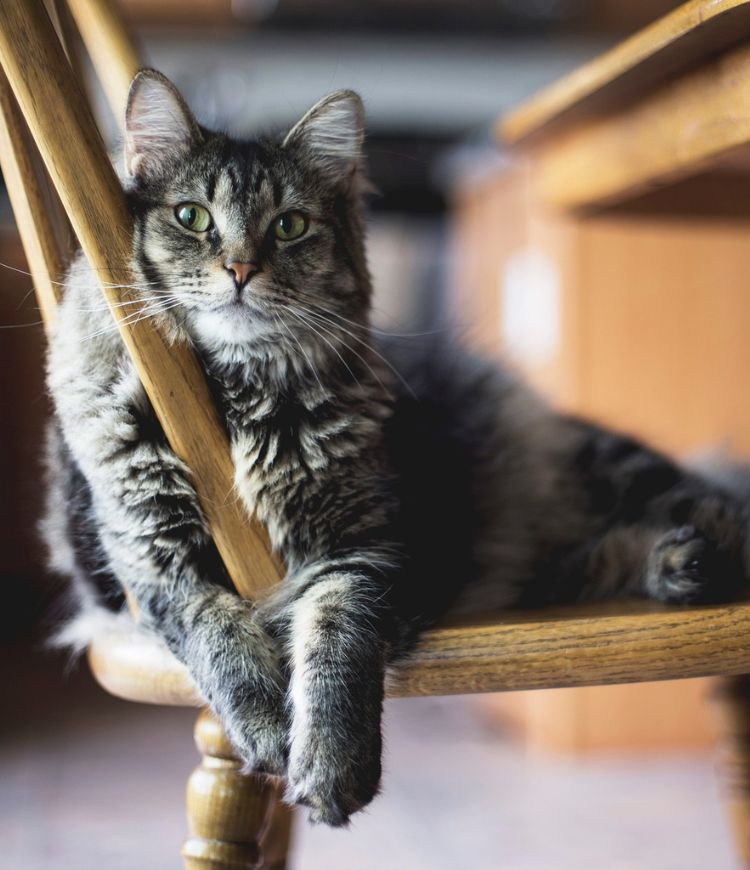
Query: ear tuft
(158, 124)
(332, 133)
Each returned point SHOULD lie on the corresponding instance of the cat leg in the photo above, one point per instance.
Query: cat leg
(699, 561)
(155, 536)
(336, 694)
(689, 536)
(702, 560)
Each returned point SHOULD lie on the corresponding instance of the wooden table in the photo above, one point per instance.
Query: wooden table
(670, 103)
(626, 210)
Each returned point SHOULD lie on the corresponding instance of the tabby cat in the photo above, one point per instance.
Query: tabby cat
(389, 498)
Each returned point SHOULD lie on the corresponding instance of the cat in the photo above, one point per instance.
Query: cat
(396, 479)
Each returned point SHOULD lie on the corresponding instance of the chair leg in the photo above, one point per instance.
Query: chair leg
(276, 842)
(228, 811)
(734, 758)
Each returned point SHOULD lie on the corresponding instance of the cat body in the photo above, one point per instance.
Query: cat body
(396, 479)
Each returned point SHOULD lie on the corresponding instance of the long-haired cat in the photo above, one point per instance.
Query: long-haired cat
(387, 504)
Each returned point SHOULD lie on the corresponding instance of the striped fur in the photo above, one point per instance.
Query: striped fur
(388, 504)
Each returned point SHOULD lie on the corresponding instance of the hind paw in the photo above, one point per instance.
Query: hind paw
(686, 567)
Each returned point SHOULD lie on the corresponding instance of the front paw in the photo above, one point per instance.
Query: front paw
(259, 738)
(333, 777)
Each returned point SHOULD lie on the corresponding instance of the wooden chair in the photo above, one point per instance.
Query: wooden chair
(236, 820)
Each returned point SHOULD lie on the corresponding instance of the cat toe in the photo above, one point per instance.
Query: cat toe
(263, 761)
(327, 802)
(687, 567)
(331, 785)
(262, 746)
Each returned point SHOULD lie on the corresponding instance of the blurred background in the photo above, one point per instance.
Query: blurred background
(616, 777)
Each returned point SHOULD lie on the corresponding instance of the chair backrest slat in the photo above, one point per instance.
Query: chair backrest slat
(42, 224)
(71, 147)
(70, 38)
(111, 50)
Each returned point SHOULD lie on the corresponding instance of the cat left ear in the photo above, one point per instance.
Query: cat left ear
(332, 134)
(159, 126)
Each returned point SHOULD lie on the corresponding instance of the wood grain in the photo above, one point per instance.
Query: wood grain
(622, 643)
(111, 49)
(733, 708)
(684, 38)
(72, 149)
(42, 224)
(70, 39)
(670, 133)
(228, 811)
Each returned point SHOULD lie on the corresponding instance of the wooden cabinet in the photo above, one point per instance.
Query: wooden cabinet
(639, 319)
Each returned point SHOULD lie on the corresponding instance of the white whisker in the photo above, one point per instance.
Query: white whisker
(302, 350)
(309, 325)
(131, 319)
(21, 325)
(320, 319)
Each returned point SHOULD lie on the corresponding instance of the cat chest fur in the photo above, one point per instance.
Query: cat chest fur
(289, 448)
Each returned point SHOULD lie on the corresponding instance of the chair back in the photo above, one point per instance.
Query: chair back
(61, 184)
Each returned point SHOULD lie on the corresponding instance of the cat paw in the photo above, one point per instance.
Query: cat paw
(333, 784)
(686, 567)
(260, 741)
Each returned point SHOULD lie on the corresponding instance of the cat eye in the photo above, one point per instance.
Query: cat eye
(290, 225)
(193, 216)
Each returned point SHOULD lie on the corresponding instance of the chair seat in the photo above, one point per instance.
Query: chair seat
(614, 642)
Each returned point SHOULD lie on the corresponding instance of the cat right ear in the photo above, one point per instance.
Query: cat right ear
(332, 133)
(158, 124)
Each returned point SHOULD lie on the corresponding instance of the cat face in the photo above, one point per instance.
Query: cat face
(251, 242)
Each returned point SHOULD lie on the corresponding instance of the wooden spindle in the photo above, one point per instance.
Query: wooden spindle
(42, 224)
(70, 39)
(110, 48)
(278, 837)
(733, 706)
(228, 811)
(70, 145)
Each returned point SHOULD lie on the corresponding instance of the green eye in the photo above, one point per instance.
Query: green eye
(290, 225)
(193, 217)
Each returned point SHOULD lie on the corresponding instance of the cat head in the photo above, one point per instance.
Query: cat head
(253, 243)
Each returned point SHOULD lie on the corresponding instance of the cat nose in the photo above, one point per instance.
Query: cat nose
(242, 272)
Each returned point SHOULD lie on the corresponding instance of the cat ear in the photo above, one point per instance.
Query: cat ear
(158, 124)
(332, 133)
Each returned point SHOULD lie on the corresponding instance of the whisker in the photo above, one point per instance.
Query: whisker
(336, 351)
(20, 325)
(105, 306)
(25, 296)
(104, 283)
(131, 320)
(320, 319)
(368, 328)
(303, 351)
(330, 344)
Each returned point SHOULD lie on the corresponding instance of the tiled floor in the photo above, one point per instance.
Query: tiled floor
(89, 782)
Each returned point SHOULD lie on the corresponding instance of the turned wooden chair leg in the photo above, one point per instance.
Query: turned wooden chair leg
(733, 697)
(278, 837)
(228, 811)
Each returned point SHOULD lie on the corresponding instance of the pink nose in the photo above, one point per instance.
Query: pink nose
(242, 272)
